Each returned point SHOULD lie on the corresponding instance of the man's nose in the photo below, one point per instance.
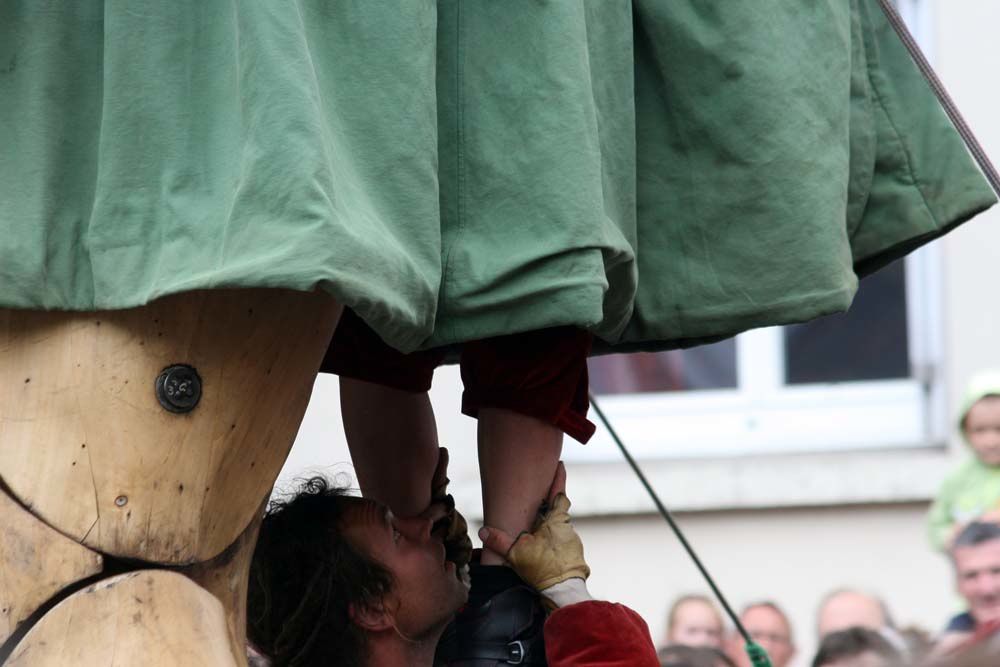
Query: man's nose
(415, 528)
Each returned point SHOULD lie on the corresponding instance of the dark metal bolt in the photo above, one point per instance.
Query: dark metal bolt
(178, 388)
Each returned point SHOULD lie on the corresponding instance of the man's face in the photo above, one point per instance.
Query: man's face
(426, 592)
(977, 571)
(982, 429)
(696, 624)
(769, 629)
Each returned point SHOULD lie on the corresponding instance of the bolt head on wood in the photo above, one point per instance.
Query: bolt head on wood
(178, 388)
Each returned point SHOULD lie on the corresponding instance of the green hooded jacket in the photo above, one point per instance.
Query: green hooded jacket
(973, 487)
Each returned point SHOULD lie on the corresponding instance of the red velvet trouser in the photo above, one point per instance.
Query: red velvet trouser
(542, 374)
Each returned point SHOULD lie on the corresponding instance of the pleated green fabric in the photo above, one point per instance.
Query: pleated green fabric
(658, 172)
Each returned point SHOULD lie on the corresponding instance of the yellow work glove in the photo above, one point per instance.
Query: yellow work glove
(550, 557)
(552, 552)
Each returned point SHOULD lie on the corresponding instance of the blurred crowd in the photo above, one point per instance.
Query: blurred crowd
(855, 628)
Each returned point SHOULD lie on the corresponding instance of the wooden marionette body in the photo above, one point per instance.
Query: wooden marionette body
(142, 443)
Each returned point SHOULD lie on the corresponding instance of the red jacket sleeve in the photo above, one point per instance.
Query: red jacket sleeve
(598, 634)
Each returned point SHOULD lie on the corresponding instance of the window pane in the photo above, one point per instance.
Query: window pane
(706, 367)
(868, 342)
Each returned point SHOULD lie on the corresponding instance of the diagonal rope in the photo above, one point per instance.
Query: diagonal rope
(758, 656)
(975, 148)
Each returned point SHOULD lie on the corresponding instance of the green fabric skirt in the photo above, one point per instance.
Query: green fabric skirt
(655, 171)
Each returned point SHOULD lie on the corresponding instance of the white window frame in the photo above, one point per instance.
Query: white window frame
(763, 415)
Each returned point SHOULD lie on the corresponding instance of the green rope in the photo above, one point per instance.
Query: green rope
(756, 653)
(758, 656)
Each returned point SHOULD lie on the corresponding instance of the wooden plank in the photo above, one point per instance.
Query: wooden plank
(85, 443)
(151, 618)
(36, 562)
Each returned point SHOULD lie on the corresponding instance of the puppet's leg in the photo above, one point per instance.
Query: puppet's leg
(526, 390)
(388, 418)
(516, 453)
(148, 438)
(393, 440)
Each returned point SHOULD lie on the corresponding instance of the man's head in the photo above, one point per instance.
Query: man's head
(694, 621)
(856, 647)
(844, 608)
(769, 627)
(975, 554)
(332, 572)
(979, 416)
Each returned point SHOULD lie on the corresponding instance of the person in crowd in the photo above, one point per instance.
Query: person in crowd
(694, 620)
(845, 608)
(972, 490)
(679, 655)
(769, 626)
(340, 580)
(975, 557)
(856, 647)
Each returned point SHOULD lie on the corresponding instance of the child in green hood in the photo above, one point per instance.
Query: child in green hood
(972, 490)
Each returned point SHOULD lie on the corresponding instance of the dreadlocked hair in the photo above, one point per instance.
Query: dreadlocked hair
(305, 577)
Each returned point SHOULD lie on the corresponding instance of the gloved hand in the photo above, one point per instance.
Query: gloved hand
(453, 527)
(550, 557)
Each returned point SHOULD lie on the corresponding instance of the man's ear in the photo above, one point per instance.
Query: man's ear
(369, 618)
